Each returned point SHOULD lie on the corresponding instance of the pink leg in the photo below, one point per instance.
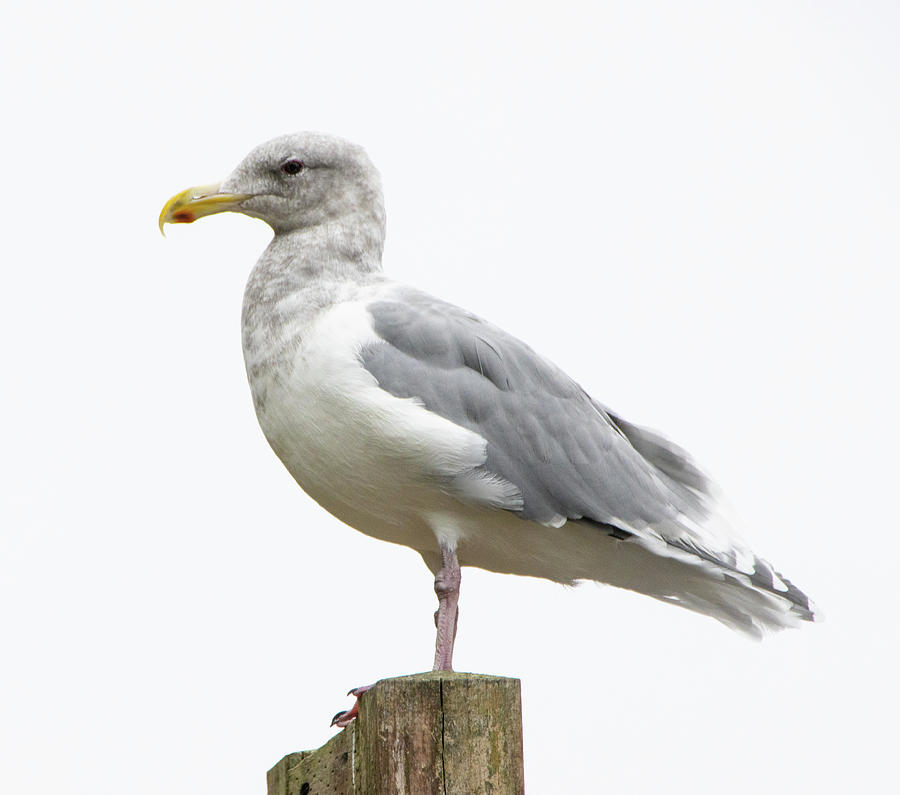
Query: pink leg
(446, 586)
(343, 719)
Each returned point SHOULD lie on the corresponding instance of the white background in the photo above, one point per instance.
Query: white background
(692, 207)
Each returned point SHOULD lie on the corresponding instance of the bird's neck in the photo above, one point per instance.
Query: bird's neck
(336, 249)
(305, 270)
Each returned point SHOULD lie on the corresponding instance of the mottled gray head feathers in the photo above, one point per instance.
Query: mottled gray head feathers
(309, 179)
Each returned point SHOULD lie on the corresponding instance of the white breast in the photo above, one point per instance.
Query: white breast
(375, 461)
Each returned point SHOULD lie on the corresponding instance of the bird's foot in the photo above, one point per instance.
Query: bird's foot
(343, 719)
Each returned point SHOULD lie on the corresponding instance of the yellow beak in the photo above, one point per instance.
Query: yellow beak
(193, 203)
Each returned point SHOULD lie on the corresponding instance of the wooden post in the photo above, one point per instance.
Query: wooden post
(442, 732)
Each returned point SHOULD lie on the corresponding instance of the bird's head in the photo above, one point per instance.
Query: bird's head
(291, 182)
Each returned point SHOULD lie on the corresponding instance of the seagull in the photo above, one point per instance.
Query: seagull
(419, 423)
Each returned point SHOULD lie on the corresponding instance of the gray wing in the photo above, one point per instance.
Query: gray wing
(567, 455)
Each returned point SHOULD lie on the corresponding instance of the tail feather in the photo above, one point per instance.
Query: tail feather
(753, 603)
(738, 587)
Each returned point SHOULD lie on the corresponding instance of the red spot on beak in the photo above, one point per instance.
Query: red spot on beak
(184, 217)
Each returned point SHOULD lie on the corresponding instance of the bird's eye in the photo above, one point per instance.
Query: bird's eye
(292, 167)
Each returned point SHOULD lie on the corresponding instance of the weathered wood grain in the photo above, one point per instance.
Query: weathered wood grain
(443, 733)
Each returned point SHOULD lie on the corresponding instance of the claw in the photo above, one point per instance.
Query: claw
(343, 719)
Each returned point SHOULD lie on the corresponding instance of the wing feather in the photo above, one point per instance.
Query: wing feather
(569, 457)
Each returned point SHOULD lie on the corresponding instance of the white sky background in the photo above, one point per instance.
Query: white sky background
(692, 207)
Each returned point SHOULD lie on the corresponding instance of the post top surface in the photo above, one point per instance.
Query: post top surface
(452, 676)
